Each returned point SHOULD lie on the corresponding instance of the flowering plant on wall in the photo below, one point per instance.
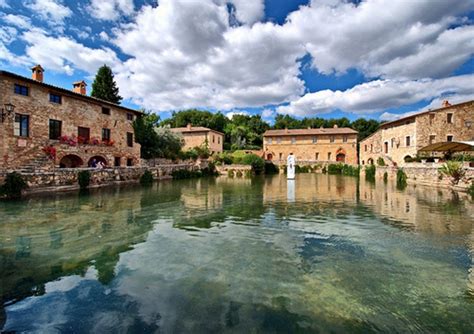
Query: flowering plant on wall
(94, 141)
(82, 140)
(50, 152)
(108, 142)
(69, 140)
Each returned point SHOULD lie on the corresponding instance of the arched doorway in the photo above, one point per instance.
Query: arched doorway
(341, 157)
(370, 161)
(269, 156)
(70, 161)
(407, 158)
(97, 158)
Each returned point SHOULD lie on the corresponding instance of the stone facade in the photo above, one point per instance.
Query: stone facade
(312, 145)
(396, 140)
(43, 113)
(199, 136)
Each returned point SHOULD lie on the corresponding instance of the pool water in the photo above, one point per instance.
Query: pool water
(263, 255)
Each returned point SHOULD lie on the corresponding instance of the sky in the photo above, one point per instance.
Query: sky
(379, 59)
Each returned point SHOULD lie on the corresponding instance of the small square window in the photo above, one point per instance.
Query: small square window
(449, 138)
(106, 111)
(129, 116)
(293, 140)
(21, 90)
(54, 98)
(315, 140)
(344, 139)
(269, 140)
(432, 139)
(332, 139)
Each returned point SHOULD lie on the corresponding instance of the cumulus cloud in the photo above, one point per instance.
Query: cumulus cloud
(249, 11)
(19, 21)
(51, 11)
(378, 95)
(64, 54)
(110, 10)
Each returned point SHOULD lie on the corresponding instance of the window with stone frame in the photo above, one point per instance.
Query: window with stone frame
(332, 139)
(55, 98)
(315, 139)
(432, 139)
(106, 134)
(105, 111)
(129, 139)
(408, 140)
(449, 118)
(55, 127)
(329, 156)
(344, 139)
(449, 138)
(83, 135)
(21, 126)
(129, 116)
(21, 90)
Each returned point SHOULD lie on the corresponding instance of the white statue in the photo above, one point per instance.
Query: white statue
(290, 166)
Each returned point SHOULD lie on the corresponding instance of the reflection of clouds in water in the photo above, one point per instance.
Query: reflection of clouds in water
(70, 282)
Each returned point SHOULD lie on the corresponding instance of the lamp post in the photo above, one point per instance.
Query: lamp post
(7, 111)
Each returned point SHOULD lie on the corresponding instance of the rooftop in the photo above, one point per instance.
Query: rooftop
(306, 132)
(189, 129)
(67, 91)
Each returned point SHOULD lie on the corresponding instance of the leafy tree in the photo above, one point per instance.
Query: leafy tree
(104, 86)
(365, 127)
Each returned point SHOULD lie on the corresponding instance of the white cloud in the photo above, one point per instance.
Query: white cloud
(249, 11)
(378, 95)
(8, 34)
(19, 21)
(4, 4)
(51, 11)
(64, 54)
(231, 114)
(104, 36)
(110, 10)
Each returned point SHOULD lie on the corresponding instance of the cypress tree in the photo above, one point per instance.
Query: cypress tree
(104, 86)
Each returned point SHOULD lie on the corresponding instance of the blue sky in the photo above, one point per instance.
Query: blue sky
(326, 58)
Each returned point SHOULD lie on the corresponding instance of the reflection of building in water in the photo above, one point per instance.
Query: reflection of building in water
(198, 196)
(46, 240)
(423, 209)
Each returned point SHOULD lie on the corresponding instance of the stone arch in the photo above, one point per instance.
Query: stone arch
(71, 161)
(406, 158)
(270, 156)
(370, 161)
(341, 157)
(97, 159)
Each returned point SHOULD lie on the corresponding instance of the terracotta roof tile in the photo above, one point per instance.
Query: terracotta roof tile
(303, 132)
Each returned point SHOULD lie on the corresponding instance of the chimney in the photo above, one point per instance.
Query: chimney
(37, 73)
(79, 87)
(189, 126)
(446, 103)
(335, 126)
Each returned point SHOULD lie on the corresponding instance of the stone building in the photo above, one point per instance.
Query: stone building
(196, 136)
(401, 139)
(77, 127)
(312, 145)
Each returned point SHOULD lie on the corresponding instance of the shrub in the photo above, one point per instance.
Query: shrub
(380, 162)
(385, 177)
(230, 173)
(401, 179)
(146, 179)
(453, 169)
(13, 186)
(324, 170)
(84, 179)
(370, 173)
(350, 170)
(224, 158)
(257, 163)
(470, 190)
(335, 169)
(271, 168)
(305, 169)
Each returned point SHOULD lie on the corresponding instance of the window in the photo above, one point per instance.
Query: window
(329, 156)
(281, 156)
(316, 156)
(83, 135)
(129, 116)
(432, 117)
(365, 148)
(22, 90)
(344, 139)
(392, 142)
(293, 140)
(213, 139)
(407, 140)
(130, 139)
(449, 138)
(55, 98)
(129, 162)
(371, 147)
(432, 139)
(22, 125)
(279, 140)
(331, 139)
(54, 129)
(218, 139)
(105, 134)
(386, 147)
(269, 141)
(315, 140)
(450, 118)
(106, 111)
(117, 161)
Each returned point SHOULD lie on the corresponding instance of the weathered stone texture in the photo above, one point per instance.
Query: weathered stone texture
(74, 111)
(390, 141)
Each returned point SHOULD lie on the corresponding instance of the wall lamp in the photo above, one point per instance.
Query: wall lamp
(7, 111)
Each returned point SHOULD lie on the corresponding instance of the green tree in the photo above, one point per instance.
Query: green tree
(104, 86)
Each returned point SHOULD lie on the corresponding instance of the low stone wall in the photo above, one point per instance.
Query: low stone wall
(65, 179)
(234, 170)
(424, 174)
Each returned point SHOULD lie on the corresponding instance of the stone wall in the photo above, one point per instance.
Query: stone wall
(65, 179)
(428, 175)
(74, 111)
(234, 170)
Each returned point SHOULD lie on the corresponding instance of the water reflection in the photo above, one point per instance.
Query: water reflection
(327, 253)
